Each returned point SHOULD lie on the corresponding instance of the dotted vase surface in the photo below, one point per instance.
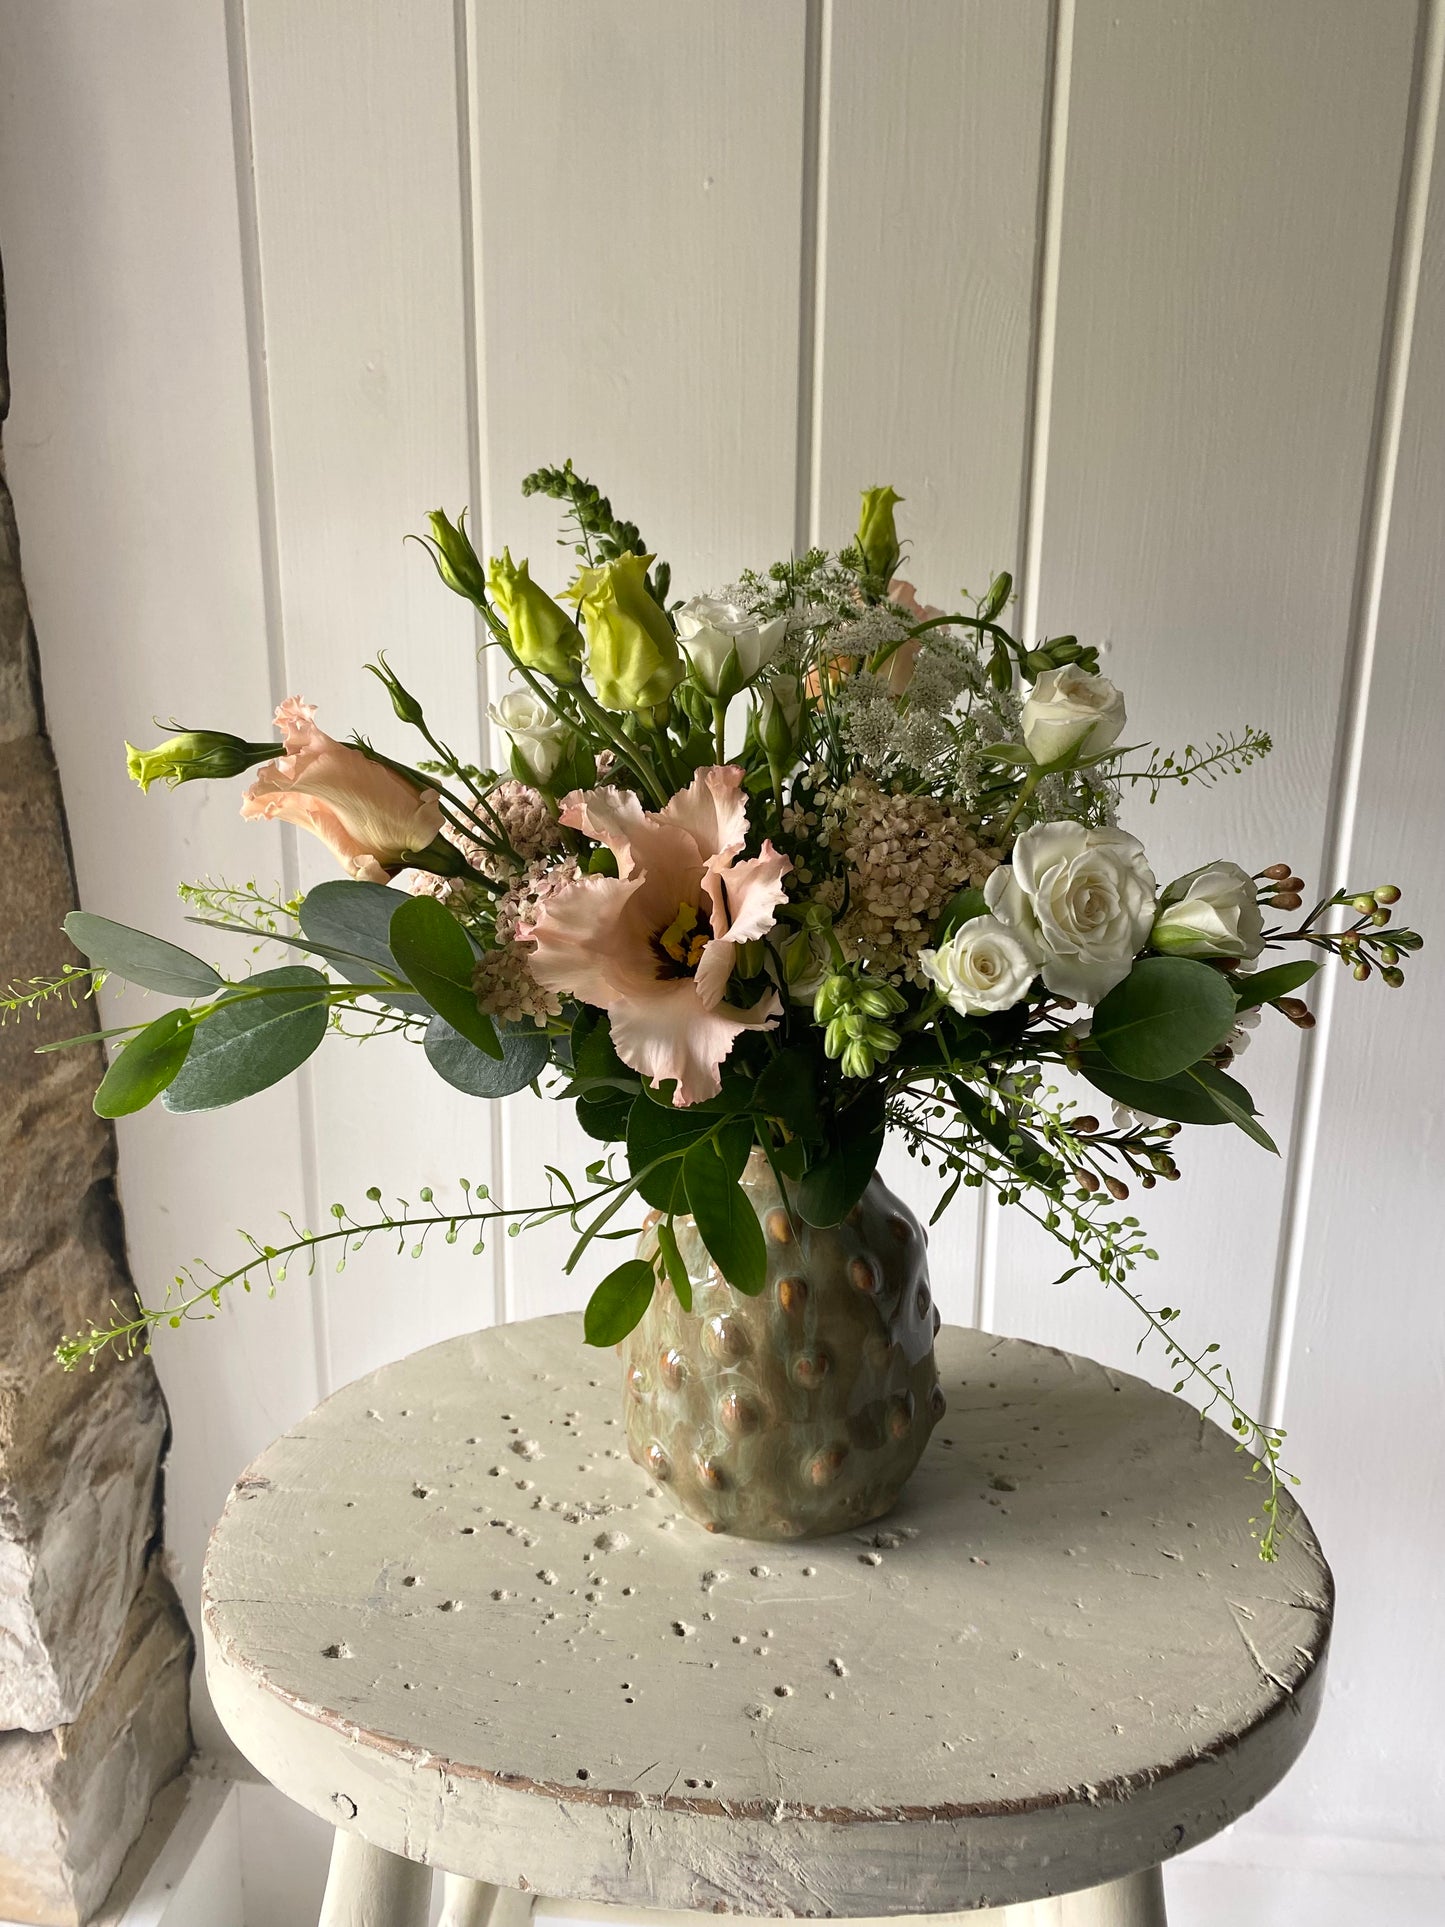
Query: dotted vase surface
(803, 1410)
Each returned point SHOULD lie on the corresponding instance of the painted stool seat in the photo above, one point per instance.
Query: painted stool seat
(449, 1615)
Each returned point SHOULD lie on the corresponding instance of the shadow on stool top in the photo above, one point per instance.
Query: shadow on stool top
(449, 1613)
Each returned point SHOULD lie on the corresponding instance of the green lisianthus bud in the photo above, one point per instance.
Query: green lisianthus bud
(778, 718)
(544, 637)
(632, 653)
(457, 562)
(195, 753)
(877, 536)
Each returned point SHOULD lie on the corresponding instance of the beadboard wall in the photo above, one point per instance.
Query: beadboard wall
(1144, 301)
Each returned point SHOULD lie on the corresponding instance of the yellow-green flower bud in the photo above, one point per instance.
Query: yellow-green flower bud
(778, 717)
(195, 753)
(544, 637)
(877, 536)
(458, 563)
(834, 995)
(632, 653)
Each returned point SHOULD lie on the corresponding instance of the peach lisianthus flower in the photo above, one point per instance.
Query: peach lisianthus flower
(901, 662)
(655, 945)
(368, 816)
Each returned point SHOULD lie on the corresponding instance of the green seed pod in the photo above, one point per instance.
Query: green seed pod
(1387, 893)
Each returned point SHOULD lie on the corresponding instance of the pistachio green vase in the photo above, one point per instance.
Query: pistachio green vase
(801, 1411)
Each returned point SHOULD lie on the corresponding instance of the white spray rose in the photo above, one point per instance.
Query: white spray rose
(710, 630)
(985, 965)
(1212, 912)
(1083, 897)
(1069, 711)
(540, 737)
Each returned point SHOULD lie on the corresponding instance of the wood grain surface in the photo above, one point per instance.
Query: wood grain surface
(448, 1613)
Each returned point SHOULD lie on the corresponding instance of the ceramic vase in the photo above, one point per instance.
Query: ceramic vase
(803, 1410)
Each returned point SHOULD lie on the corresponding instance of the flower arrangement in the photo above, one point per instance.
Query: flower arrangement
(779, 869)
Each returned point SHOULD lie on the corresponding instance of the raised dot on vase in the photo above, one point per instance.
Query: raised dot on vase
(737, 1414)
(937, 1321)
(658, 1463)
(778, 1227)
(710, 1472)
(922, 1299)
(792, 1295)
(672, 1368)
(810, 1368)
(864, 1274)
(900, 1415)
(725, 1337)
(825, 1466)
(900, 1229)
(636, 1380)
(937, 1403)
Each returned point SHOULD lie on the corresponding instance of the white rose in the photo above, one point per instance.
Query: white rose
(1069, 711)
(1083, 897)
(985, 965)
(710, 629)
(540, 737)
(1212, 912)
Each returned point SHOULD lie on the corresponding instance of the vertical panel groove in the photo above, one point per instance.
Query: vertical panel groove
(1053, 138)
(464, 41)
(239, 76)
(813, 249)
(1421, 133)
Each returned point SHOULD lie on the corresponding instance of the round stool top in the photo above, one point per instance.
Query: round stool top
(449, 1614)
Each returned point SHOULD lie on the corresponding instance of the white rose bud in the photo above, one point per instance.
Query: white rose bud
(985, 965)
(725, 647)
(1068, 712)
(1212, 912)
(1084, 898)
(539, 737)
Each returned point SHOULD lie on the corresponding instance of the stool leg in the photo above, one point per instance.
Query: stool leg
(472, 1903)
(367, 1887)
(1137, 1901)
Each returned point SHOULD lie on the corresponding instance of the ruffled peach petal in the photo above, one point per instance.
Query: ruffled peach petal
(712, 810)
(307, 813)
(671, 1036)
(714, 968)
(585, 942)
(746, 895)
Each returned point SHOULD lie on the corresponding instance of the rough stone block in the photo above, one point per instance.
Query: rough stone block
(73, 1800)
(78, 1485)
(52, 1145)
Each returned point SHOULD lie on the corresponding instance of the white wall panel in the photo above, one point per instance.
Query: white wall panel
(639, 195)
(1228, 213)
(360, 313)
(929, 157)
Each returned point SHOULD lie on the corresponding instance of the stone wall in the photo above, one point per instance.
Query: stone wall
(94, 1651)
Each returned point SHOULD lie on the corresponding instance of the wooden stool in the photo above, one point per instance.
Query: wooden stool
(450, 1616)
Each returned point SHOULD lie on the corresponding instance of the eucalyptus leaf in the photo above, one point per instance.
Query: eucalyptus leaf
(457, 1060)
(145, 1066)
(141, 958)
(725, 1219)
(251, 1041)
(1165, 1015)
(1200, 1095)
(1264, 987)
(618, 1304)
(433, 952)
(350, 924)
